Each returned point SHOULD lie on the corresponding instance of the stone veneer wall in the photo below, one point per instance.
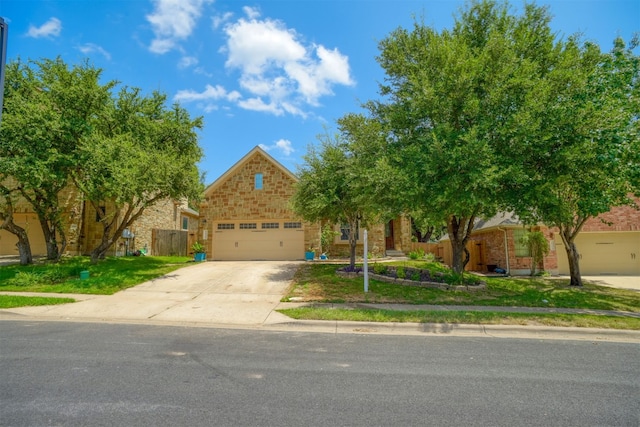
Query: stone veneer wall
(376, 244)
(84, 233)
(236, 198)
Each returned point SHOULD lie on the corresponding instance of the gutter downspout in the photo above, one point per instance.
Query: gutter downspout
(506, 249)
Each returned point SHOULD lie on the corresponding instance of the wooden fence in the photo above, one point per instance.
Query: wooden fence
(169, 242)
(426, 247)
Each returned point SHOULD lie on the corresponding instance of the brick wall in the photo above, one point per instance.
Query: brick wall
(619, 218)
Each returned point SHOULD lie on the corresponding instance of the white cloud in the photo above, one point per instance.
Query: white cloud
(210, 93)
(283, 145)
(89, 48)
(51, 28)
(173, 21)
(279, 73)
(278, 69)
(257, 104)
(187, 61)
(202, 71)
(218, 20)
(251, 12)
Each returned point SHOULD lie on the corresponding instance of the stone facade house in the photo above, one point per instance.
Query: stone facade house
(608, 244)
(246, 215)
(83, 231)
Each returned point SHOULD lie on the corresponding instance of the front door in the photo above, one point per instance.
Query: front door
(388, 236)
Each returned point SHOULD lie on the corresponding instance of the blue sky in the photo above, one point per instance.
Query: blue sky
(274, 73)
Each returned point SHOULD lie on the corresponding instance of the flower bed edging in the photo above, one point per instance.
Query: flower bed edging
(434, 285)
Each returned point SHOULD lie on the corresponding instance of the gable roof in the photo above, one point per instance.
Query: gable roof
(501, 219)
(238, 165)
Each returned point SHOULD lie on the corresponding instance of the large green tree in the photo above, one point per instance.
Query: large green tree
(140, 153)
(448, 98)
(333, 182)
(49, 109)
(577, 151)
(127, 151)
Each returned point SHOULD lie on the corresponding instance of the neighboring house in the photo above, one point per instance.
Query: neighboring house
(246, 215)
(83, 231)
(608, 244)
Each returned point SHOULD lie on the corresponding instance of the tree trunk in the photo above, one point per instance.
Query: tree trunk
(568, 238)
(467, 257)
(457, 251)
(112, 232)
(23, 245)
(574, 265)
(51, 231)
(353, 241)
(459, 231)
(100, 251)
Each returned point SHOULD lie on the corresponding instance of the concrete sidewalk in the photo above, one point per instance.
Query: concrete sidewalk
(247, 294)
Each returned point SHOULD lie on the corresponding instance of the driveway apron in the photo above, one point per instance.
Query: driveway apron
(232, 292)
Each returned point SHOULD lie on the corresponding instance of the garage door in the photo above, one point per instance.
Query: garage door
(251, 240)
(604, 253)
(36, 237)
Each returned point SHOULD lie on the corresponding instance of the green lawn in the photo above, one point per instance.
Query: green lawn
(463, 317)
(319, 283)
(11, 301)
(107, 277)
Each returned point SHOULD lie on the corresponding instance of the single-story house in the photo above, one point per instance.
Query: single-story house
(246, 215)
(608, 244)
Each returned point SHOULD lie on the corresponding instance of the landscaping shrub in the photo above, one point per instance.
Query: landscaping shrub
(380, 269)
(417, 254)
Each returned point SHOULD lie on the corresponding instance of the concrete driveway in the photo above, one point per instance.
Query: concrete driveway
(622, 282)
(232, 292)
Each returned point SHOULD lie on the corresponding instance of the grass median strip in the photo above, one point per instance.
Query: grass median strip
(462, 317)
(12, 301)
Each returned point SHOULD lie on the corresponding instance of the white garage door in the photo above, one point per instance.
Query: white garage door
(258, 240)
(604, 253)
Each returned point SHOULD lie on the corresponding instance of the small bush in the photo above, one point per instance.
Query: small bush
(25, 278)
(51, 276)
(380, 269)
(400, 273)
(430, 257)
(417, 254)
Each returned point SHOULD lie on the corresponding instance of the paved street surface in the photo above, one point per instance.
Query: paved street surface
(89, 374)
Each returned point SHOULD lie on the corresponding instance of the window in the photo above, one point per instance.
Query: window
(292, 225)
(248, 226)
(185, 223)
(521, 249)
(258, 181)
(223, 226)
(345, 231)
(270, 225)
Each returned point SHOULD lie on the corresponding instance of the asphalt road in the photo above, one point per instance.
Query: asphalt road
(89, 374)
